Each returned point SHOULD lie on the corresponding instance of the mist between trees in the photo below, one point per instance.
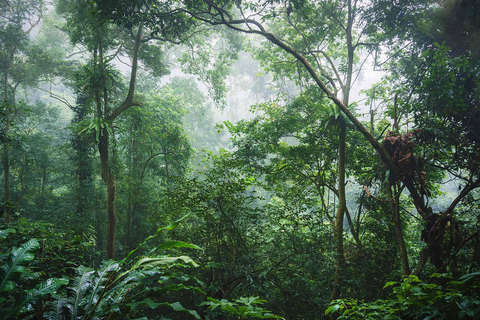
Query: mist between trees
(206, 159)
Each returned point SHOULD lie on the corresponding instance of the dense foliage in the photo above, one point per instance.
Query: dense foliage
(291, 186)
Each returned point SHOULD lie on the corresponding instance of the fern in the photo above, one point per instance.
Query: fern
(49, 286)
(17, 262)
(58, 312)
(77, 292)
(102, 279)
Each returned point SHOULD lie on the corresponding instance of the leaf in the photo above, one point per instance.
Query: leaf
(149, 302)
(332, 309)
(100, 282)
(149, 263)
(177, 244)
(4, 233)
(177, 306)
(388, 284)
(171, 226)
(468, 277)
(49, 286)
(80, 286)
(17, 262)
(58, 313)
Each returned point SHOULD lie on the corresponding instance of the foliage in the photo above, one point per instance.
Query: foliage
(266, 213)
(242, 308)
(13, 301)
(415, 299)
(16, 264)
(113, 289)
(60, 250)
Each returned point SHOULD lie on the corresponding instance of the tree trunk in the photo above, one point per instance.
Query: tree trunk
(338, 282)
(394, 200)
(112, 216)
(82, 160)
(109, 179)
(6, 152)
(6, 177)
(342, 160)
(44, 181)
(132, 187)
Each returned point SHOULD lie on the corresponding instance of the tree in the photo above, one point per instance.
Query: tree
(434, 70)
(105, 41)
(17, 21)
(253, 17)
(99, 82)
(158, 151)
(310, 45)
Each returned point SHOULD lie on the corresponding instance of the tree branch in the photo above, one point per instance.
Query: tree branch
(128, 103)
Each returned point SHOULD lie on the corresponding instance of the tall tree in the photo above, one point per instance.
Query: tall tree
(17, 20)
(253, 17)
(104, 41)
(88, 28)
(434, 70)
(158, 151)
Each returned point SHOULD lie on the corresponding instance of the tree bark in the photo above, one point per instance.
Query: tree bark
(6, 149)
(104, 114)
(342, 160)
(338, 282)
(109, 178)
(394, 201)
(6, 177)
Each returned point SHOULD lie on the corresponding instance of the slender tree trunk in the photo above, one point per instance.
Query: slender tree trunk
(21, 177)
(338, 282)
(394, 197)
(132, 202)
(109, 179)
(6, 177)
(81, 158)
(6, 152)
(342, 159)
(104, 113)
(112, 216)
(393, 193)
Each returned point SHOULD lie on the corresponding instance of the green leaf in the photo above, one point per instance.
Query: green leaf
(99, 283)
(149, 263)
(49, 286)
(177, 306)
(81, 284)
(150, 303)
(17, 262)
(332, 309)
(390, 283)
(4, 233)
(58, 312)
(468, 277)
(177, 244)
(171, 226)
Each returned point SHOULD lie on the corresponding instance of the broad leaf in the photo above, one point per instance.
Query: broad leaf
(177, 244)
(4, 233)
(17, 262)
(49, 286)
(149, 263)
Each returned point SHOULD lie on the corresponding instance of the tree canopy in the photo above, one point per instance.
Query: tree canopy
(218, 159)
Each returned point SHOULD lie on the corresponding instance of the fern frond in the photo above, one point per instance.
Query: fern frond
(17, 262)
